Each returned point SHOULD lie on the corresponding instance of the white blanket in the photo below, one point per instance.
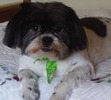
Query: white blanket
(11, 88)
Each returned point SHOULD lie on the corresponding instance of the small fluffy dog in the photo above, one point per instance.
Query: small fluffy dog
(53, 30)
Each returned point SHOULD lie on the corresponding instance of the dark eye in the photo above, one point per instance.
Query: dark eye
(36, 28)
(58, 29)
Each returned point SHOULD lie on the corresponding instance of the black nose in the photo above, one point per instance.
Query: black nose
(47, 40)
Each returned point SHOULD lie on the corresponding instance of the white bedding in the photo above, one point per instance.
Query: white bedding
(10, 87)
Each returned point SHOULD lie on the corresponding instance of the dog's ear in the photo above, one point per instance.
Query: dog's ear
(78, 39)
(14, 29)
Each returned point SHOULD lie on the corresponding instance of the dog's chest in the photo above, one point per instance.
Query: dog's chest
(40, 66)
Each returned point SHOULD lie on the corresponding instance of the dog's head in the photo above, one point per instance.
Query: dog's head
(45, 29)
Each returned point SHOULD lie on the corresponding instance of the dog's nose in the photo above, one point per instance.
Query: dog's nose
(47, 40)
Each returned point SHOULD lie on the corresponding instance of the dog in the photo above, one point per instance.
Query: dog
(53, 30)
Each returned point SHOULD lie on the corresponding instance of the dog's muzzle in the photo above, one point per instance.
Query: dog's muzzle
(47, 41)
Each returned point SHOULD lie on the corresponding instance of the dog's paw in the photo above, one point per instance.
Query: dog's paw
(30, 87)
(59, 96)
(30, 93)
(80, 74)
(61, 91)
(30, 90)
(72, 80)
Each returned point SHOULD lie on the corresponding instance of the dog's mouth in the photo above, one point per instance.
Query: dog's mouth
(46, 49)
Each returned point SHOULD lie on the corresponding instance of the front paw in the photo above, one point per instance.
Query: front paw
(72, 80)
(61, 91)
(80, 74)
(29, 82)
(59, 96)
(31, 93)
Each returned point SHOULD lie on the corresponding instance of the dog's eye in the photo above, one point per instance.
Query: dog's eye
(58, 29)
(36, 28)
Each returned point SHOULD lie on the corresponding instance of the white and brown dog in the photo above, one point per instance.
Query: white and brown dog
(53, 30)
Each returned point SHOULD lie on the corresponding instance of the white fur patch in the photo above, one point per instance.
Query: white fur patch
(63, 66)
(40, 66)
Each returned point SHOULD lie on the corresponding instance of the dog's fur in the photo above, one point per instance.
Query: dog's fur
(53, 30)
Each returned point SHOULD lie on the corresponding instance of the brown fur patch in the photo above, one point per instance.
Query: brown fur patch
(34, 50)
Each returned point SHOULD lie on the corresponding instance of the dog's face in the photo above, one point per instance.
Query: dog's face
(45, 29)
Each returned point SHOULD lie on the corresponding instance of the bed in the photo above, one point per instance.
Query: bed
(10, 88)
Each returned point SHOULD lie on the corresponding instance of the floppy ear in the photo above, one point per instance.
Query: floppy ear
(14, 30)
(78, 39)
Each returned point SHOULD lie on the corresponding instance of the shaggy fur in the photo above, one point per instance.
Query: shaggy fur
(53, 30)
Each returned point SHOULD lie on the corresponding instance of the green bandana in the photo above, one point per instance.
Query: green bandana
(51, 67)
